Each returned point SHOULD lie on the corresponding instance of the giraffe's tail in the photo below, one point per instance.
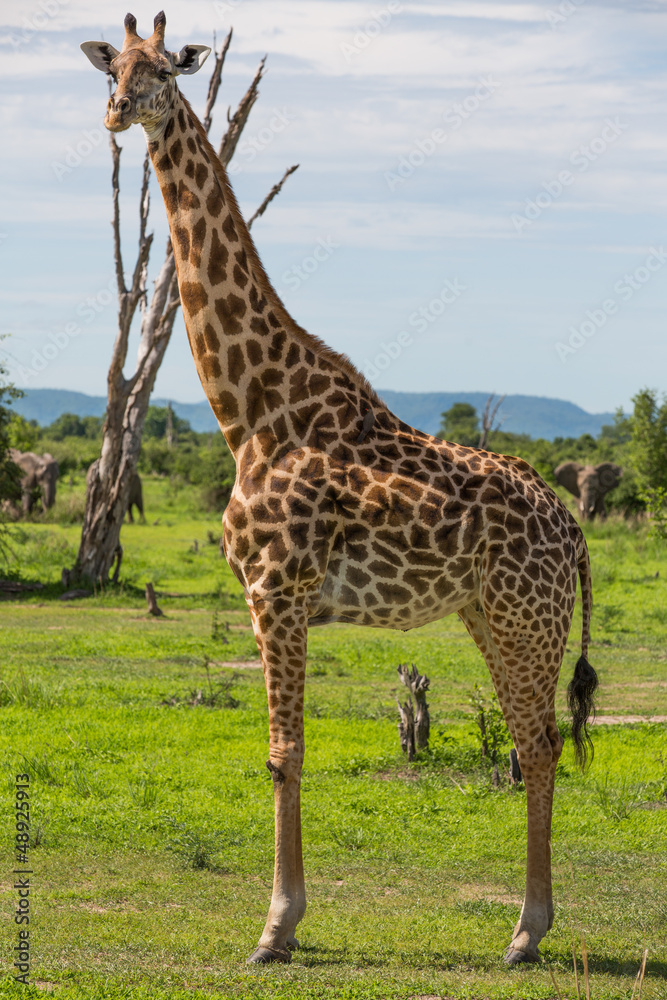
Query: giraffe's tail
(581, 690)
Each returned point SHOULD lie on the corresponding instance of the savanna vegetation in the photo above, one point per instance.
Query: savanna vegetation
(201, 464)
(151, 824)
(170, 448)
(151, 840)
(637, 442)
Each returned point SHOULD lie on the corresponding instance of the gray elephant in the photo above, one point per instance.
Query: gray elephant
(136, 498)
(589, 484)
(40, 473)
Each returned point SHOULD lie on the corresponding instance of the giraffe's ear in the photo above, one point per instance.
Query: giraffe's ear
(100, 54)
(191, 58)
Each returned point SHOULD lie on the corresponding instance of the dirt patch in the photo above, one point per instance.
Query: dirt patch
(398, 774)
(238, 664)
(120, 906)
(620, 720)
(644, 684)
(488, 893)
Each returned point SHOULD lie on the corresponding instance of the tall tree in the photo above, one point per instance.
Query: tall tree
(460, 424)
(648, 453)
(109, 477)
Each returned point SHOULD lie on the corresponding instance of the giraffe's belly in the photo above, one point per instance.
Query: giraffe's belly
(381, 595)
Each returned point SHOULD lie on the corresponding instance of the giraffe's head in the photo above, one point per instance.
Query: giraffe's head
(145, 74)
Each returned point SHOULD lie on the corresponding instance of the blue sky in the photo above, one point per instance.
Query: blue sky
(481, 202)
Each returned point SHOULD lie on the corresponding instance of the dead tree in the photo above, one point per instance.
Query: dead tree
(110, 476)
(414, 727)
(406, 728)
(488, 419)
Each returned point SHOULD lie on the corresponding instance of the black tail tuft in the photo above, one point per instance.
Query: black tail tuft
(580, 701)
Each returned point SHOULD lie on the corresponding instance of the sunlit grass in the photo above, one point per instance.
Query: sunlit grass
(152, 809)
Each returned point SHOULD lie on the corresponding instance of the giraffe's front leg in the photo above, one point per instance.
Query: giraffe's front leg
(280, 630)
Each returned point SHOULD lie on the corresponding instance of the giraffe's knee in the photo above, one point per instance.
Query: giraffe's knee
(542, 752)
(556, 740)
(285, 763)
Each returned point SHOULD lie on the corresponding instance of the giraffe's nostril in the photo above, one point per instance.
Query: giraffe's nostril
(123, 105)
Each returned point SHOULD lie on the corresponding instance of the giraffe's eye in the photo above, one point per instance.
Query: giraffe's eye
(164, 75)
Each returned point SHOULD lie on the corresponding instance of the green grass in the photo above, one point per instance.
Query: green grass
(153, 810)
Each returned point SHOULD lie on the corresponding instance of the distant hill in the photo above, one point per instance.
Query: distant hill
(46, 405)
(538, 416)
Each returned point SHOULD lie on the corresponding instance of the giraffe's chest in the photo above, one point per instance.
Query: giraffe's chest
(382, 580)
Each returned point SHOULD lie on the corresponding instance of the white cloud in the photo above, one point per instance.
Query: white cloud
(354, 119)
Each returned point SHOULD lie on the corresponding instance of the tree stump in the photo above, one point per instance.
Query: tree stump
(406, 728)
(153, 608)
(420, 722)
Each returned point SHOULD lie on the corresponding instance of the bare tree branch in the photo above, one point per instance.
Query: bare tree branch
(145, 242)
(214, 83)
(240, 117)
(128, 299)
(115, 185)
(488, 419)
(271, 195)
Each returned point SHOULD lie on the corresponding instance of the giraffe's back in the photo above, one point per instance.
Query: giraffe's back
(421, 521)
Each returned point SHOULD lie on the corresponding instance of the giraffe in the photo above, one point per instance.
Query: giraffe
(340, 512)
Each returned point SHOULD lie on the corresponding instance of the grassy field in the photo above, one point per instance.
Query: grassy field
(152, 810)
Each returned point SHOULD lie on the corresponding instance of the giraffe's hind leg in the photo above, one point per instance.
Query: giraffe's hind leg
(525, 678)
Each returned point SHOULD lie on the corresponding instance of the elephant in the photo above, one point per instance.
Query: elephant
(589, 484)
(40, 473)
(136, 498)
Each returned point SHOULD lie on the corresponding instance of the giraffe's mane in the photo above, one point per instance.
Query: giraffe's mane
(318, 346)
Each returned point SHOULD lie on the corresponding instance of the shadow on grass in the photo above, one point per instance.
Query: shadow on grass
(319, 956)
(316, 956)
(626, 967)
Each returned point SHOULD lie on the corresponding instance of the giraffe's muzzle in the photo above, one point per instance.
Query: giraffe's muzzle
(120, 112)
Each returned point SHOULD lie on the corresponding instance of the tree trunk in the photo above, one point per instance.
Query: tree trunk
(151, 600)
(488, 419)
(406, 728)
(418, 684)
(109, 478)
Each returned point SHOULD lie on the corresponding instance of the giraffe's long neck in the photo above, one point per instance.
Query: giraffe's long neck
(255, 363)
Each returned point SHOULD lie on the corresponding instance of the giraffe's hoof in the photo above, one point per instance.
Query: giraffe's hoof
(264, 956)
(292, 943)
(514, 956)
